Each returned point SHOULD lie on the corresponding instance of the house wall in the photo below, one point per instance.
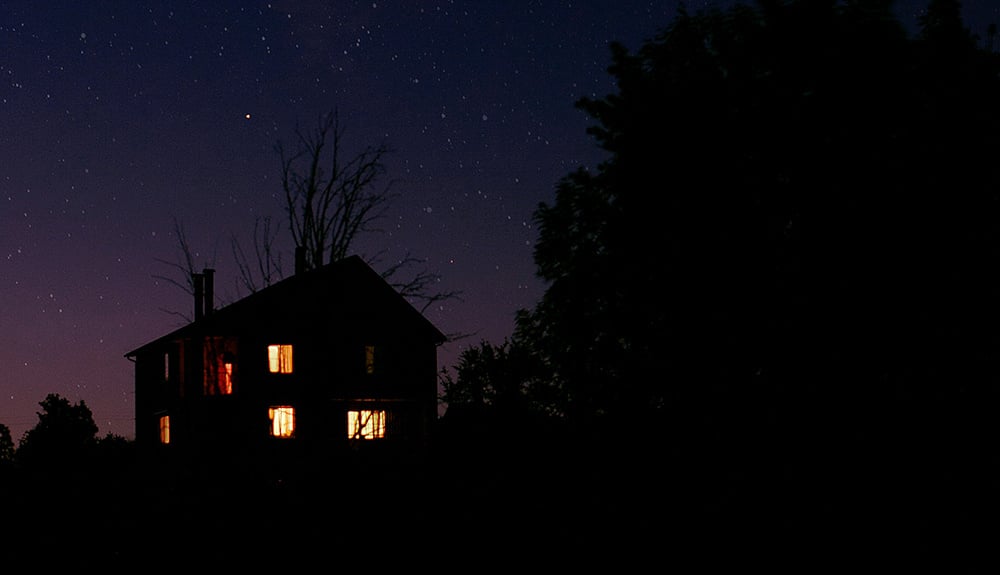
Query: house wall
(328, 319)
(329, 378)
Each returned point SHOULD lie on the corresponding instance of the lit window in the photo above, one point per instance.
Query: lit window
(365, 424)
(176, 354)
(279, 358)
(219, 364)
(226, 384)
(369, 359)
(282, 421)
(164, 429)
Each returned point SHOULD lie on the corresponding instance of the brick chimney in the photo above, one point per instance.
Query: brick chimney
(300, 259)
(209, 295)
(199, 295)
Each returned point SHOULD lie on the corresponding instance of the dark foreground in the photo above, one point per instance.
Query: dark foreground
(495, 508)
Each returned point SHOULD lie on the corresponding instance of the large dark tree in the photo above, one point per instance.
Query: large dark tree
(796, 225)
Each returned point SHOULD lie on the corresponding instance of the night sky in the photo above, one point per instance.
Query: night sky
(118, 118)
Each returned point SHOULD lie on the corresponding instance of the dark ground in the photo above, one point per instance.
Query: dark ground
(498, 507)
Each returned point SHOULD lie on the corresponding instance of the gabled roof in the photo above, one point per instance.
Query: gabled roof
(332, 286)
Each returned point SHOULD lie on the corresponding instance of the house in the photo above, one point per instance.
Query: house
(326, 362)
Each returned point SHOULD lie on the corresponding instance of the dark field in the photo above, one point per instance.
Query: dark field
(495, 507)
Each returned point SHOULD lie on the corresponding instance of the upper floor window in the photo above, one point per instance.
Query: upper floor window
(226, 378)
(366, 424)
(279, 358)
(164, 429)
(219, 362)
(282, 420)
(369, 359)
(173, 368)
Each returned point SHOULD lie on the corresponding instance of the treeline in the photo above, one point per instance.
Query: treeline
(797, 222)
(64, 437)
(775, 301)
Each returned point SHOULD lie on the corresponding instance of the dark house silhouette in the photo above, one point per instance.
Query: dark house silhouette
(327, 362)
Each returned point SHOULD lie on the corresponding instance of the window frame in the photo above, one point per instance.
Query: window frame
(219, 366)
(359, 430)
(164, 429)
(281, 419)
(280, 358)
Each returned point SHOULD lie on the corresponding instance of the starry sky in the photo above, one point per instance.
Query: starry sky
(118, 119)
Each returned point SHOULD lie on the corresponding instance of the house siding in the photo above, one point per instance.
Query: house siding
(328, 322)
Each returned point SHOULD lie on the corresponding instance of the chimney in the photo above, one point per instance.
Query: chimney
(300, 259)
(199, 295)
(209, 298)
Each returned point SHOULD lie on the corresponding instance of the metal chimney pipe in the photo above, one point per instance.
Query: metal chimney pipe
(300, 259)
(199, 295)
(209, 298)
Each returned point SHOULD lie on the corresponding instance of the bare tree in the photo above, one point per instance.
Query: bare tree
(331, 198)
(265, 268)
(416, 288)
(184, 267)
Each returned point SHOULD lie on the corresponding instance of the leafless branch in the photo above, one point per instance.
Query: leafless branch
(265, 268)
(330, 201)
(417, 288)
(184, 267)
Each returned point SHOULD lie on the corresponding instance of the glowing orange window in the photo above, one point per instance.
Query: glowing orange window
(282, 421)
(164, 429)
(279, 358)
(219, 362)
(366, 424)
(227, 378)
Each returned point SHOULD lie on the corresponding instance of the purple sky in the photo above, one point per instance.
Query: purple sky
(116, 119)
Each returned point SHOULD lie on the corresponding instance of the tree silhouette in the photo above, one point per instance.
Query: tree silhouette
(63, 436)
(795, 226)
(332, 196)
(185, 268)
(772, 306)
(6, 445)
(503, 378)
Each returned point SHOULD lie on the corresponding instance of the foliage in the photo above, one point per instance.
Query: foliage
(502, 376)
(798, 203)
(64, 434)
(6, 445)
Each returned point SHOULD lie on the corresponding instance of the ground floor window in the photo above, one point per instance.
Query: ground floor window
(164, 429)
(366, 424)
(282, 420)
